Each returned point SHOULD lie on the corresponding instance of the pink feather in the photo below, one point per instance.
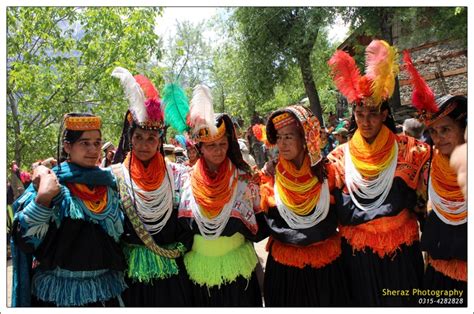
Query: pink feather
(381, 68)
(423, 97)
(346, 75)
(152, 102)
(376, 54)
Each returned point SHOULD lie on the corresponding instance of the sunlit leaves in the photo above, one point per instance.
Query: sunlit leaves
(59, 60)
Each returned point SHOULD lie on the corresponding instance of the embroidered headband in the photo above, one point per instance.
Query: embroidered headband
(205, 136)
(82, 123)
(282, 120)
(309, 123)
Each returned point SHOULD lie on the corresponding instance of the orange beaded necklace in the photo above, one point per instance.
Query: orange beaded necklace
(213, 191)
(149, 178)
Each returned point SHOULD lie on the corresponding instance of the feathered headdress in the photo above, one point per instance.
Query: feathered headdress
(201, 117)
(378, 83)
(423, 98)
(143, 98)
(176, 107)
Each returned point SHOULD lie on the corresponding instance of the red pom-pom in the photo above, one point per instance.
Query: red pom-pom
(153, 109)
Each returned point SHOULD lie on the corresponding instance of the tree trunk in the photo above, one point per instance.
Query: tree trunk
(310, 86)
(386, 30)
(222, 99)
(16, 129)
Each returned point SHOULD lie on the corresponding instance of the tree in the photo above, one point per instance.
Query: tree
(60, 60)
(277, 38)
(187, 55)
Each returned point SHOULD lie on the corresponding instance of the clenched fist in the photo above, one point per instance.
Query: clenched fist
(47, 185)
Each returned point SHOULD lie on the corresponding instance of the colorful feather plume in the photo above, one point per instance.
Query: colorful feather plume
(365, 85)
(181, 140)
(346, 75)
(133, 92)
(147, 86)
(176, 107)
(201, 110)
(381, 68)
(152, 102)
(423, 97)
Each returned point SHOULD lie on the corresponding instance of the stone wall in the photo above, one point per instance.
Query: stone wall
(443, 65)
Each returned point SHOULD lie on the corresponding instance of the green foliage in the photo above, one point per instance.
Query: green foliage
(60, 60)
(418, 24)
(187, 56)
(256, 69)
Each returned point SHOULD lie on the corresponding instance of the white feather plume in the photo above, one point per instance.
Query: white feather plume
(133, 92)
(201, 110)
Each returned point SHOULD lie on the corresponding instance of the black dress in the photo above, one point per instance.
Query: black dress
(380, 247)
(289, 282)
(446, 243)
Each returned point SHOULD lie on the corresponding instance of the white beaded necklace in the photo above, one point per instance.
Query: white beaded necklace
(377, 188)
(446, 205)
(296, 221)
(154, 208)
(211, 228)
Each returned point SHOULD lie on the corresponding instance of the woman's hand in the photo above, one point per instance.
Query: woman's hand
(46, 184)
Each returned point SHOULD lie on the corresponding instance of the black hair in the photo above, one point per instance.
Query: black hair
(125, 143)
(459, 114)
(71, 136)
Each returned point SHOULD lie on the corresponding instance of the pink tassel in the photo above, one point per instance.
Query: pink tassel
(153, 109)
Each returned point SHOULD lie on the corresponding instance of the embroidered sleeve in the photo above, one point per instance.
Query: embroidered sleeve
(180, 174)
(267, 195)
(34, 220)
(336, 158)
(254, 190)
(422, 190)
(412, 158)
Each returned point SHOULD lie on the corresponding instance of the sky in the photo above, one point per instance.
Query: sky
(166, 24)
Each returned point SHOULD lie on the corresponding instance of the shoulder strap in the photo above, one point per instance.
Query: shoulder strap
(129, 210)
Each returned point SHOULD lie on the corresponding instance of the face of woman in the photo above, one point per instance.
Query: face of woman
(446, 135)
(192, 153)
(145, 144)
(290, 144)
(215, 152)
(86, 150)
(369, 121)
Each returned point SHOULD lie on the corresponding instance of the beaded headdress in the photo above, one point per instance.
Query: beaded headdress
(377, 85)
(429, 109)
(309, 123)
(202, 119)
(144, 100)
(86, 123)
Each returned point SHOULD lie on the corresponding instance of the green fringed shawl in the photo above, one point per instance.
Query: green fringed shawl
(144, 265)
(220, 261)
